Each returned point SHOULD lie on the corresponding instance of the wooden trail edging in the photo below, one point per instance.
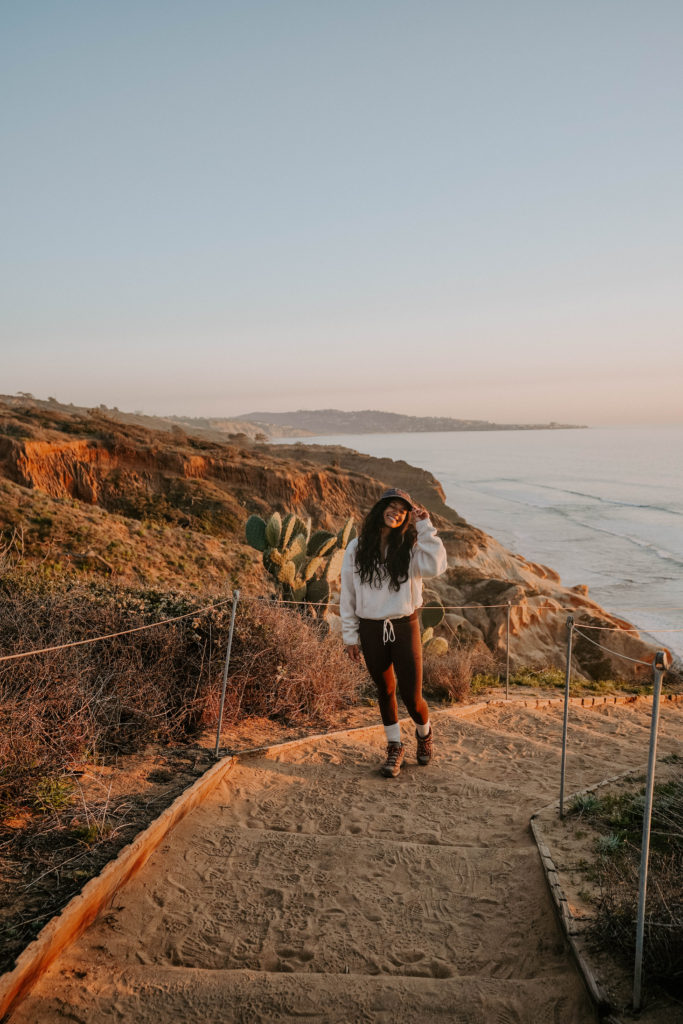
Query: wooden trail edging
(82, 909)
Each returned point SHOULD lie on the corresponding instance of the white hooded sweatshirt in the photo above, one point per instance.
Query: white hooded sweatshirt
(365, 601)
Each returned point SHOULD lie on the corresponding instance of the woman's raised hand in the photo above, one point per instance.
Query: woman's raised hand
(418, 513)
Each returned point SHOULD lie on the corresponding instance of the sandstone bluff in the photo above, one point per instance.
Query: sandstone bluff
(170, 507)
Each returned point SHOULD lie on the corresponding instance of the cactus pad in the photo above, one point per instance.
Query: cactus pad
(318, 592)
(432, 614)
(287, 530)
(299, 560)
(273, 530)
(313, 565)
(321, 542)
(287, 573)
(333, 567)
(268, 564)
(297, 545)
(346, 534)
(256, 533)
(300, 527)
(437, 646)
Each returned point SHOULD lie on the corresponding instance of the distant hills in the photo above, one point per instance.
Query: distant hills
(371, 421)
(259, 426)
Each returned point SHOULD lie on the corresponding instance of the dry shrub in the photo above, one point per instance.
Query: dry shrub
(618, 869)
(161, 684)
(448, 677)
(283, 667)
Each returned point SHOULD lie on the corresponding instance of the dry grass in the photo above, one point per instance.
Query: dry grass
(449, 677)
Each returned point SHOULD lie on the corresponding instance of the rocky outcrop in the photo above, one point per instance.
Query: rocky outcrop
(194, 484)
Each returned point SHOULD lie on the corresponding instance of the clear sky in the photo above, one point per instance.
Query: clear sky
(441, 207)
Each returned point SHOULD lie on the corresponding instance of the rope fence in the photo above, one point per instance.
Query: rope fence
(633, 629)
(618, 654)
(262, 599)
(110, 636)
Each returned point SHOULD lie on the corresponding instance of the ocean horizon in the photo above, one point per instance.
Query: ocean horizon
(602, 506)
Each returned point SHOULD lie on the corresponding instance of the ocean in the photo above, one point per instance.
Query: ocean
(602, 506)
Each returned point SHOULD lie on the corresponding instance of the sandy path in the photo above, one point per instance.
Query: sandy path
(308, 887)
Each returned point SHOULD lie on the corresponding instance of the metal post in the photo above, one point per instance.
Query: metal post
(507, 657)
(570, 633)
(658, 668)
(235, 599)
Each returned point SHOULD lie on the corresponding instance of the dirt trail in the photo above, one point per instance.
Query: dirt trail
(308, 887)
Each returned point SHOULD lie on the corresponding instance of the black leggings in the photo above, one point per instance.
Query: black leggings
(402, 656)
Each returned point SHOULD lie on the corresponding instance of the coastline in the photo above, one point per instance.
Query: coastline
(601, 507)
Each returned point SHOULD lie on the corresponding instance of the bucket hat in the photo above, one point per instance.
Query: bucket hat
(395, 492)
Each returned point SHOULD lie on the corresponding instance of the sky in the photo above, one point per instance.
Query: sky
(436, 207)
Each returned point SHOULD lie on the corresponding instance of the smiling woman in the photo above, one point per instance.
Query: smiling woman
(381, 591)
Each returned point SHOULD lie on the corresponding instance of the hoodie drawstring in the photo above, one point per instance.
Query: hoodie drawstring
(388, 635)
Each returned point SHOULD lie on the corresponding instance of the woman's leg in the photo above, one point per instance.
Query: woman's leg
(406, 654)
(378, 657)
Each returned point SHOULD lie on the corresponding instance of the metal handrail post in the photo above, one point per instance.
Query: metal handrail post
(235, 599)
(507, 656)
(570, 634)
(658, 668)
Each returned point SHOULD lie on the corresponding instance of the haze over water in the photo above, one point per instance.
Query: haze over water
(602, 506)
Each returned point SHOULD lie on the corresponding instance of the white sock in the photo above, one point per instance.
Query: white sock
(423, 730)
(393, 733)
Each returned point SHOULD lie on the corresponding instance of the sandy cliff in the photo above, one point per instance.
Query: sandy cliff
(170, 508)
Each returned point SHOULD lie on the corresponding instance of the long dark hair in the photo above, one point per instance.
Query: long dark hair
(374, 569)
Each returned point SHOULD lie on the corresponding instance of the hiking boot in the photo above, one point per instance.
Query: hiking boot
(392, 765)
(424, 747)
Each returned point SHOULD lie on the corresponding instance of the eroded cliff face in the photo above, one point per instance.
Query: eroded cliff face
(483, 577)
(203, 492)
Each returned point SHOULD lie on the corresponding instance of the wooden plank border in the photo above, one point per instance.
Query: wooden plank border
(82, 910)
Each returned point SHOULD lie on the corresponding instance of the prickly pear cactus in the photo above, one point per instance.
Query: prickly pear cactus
(302, 565)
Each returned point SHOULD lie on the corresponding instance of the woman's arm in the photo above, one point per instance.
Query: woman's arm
(347, 609)
(429, 554)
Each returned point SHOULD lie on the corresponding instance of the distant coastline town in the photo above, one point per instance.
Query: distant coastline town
(302, 423)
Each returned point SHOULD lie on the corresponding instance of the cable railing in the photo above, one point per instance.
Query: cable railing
(261, 599)
(110, 636)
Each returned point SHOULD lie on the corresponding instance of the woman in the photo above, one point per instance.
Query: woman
(381, 591)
